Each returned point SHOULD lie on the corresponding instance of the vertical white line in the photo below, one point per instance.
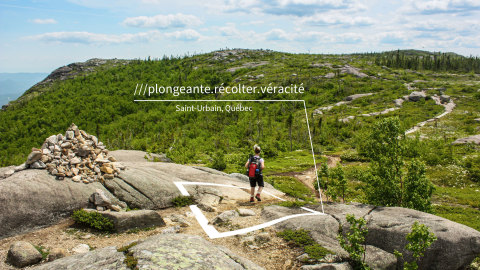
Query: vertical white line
(313, 154)
(135, 90)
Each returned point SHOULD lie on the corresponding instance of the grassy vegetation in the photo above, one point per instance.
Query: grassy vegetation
(464, 215)
(292, 204)
(44, 251)
(301, 238)
(290, 186)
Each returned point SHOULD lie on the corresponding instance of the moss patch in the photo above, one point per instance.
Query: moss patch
(181, 201)
(301, 238)
(130, 260)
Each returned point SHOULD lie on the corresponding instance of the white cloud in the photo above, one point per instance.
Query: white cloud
(160, 21)
(336, 18)
(185, 35)
(298, 8)
(105, 39)
(394, 37)
(94, 38)
(44, 21)
(444, 6)
(229, 30)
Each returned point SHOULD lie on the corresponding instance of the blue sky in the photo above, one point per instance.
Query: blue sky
(41, 35)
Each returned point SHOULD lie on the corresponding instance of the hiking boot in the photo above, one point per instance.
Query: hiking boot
(258, 197)
(251, 199)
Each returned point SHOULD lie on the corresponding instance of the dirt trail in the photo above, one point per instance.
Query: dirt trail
(273, 254)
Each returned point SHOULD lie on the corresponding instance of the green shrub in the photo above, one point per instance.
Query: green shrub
(181, 201)
(218, 161)
(316, 251)
(352, 156)
(93, 220)
(354, 241)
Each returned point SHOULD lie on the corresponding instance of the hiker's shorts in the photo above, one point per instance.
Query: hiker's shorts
(256, 180)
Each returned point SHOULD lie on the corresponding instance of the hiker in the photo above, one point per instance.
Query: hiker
(255, 166)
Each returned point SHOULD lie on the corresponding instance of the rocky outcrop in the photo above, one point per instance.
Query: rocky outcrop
(457, 245)
(164, 251)
(471, 139)
(352, 70)
(66, 72)
(416, 96)
(33, 198)
(357, 96)
(23, 254)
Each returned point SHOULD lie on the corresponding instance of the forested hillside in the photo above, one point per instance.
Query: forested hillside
(99, 98)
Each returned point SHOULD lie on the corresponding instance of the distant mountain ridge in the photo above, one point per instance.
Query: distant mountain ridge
(13, 85)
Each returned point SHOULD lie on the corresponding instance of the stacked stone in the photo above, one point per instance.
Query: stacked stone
(76, 155)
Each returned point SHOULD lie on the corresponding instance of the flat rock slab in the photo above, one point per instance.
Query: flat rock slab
(182, 251)
(106, 259)
(136, 219)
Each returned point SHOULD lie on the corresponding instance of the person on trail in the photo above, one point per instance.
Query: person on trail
(255, 166)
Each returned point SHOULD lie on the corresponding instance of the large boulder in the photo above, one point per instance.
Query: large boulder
(323, 228)
(416, 96)
(33, 198)
(23, 254)
(137, 219)
(457, 245)
(164, 251)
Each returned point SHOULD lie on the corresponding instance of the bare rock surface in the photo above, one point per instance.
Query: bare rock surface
(456, 247)
(106, 259)
(182, 251)
(164, 251)
(471, 139)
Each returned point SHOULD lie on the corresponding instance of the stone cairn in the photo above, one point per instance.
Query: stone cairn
(76, 155)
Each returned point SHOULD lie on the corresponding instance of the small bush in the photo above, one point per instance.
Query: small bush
(93, 220)
(219, 161)
(182, 201)
(316, 251)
